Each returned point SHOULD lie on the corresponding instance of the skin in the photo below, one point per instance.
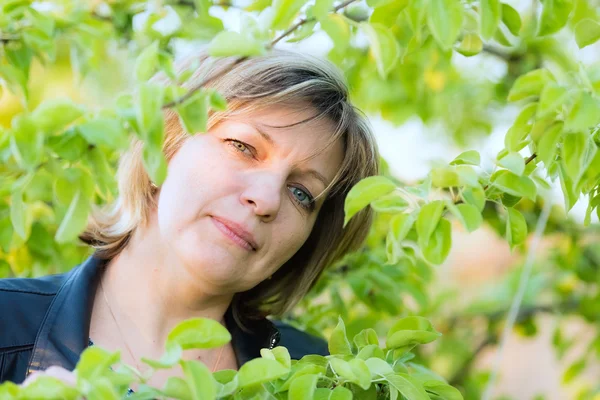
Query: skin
(183, 264)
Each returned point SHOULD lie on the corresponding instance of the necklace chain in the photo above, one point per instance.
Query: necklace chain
(214, 368)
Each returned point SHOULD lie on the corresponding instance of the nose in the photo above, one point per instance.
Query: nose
(263, 193)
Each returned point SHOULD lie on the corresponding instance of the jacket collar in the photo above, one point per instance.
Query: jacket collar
(64, 332)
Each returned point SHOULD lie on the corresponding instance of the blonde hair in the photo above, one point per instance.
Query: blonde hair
(278, 77)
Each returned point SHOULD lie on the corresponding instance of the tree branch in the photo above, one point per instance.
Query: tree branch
(492, 339)
(508, 57)
(305, 20)
(239, 60)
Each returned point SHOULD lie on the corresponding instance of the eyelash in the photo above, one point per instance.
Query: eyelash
(308, 207)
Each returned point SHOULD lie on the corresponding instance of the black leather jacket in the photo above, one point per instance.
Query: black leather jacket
(45, 321)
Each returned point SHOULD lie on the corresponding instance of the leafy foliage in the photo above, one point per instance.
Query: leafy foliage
(59, 157)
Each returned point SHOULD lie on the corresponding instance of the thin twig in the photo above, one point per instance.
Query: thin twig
(200, 85)
(305, 20)
(239, 60)
(527, 161)
(530, 158)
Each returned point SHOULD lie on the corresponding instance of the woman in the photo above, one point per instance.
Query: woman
(247, 219)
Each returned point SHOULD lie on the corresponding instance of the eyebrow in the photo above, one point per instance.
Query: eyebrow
(310, 172)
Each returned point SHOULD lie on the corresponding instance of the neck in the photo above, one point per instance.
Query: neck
(143, 285)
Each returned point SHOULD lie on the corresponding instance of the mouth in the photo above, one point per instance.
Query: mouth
(236, 233)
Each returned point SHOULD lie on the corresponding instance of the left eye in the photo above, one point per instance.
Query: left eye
(301, 196)
(239, 145)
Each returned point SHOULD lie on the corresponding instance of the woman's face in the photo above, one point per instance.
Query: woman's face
(236, 204)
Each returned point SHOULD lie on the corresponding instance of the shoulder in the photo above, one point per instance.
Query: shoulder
(23, 305)
(300, 343)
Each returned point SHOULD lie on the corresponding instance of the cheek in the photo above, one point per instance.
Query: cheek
(289, 237)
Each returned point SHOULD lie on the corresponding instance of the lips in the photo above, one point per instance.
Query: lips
(236, 233)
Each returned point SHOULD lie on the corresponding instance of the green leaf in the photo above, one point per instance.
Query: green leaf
(303, 32)
(199, 380)
(258, 5)
(407, 386)
(474, 196)
(578, 151)
(516, 228)
(45, 387)
(279, 353)
(55, 115)
(101, 389)
(552, 98)
(468, 215)
(217, 102)
(444, 177)
(105, 131)
(467, 176)
(548, 145)
(149, 114)
(574, 370)
(260, 370)
(470, 157)
(555, 14)
(227, 382)
(490, 12)
(285, 12)
(515, 185)
(530, 84)
(303, 387)
(438, 247)
(339, 393)
(146, 63)
(378, 367)
(322, 8)
(26, 142)
(391, 203)
(193, 113)
(228, 43)
(445, 18)
(428, 219)
(513, 162)
(75, 220)
(442, 390)
(511, 19)
(177, 388)
(338, 341)
(370, 351)
(337, 28)
(69, 145)
(361, 372)
(15, 79)
(566, 184)
(400, 225)
(383, 46)
(470, 45)
(199, 333)
(584, 114)
(516, 135)
(95, 362)
(587, 31)
(171, 357)
(155, 163)
(18, 216)
(364, 192)
(365, 338)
